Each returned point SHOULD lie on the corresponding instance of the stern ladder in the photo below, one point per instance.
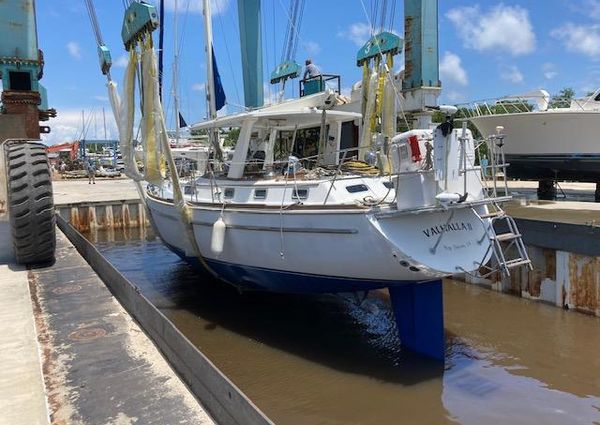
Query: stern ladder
(502, 244)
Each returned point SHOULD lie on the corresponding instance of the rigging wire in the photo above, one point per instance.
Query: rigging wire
(392, 15)
(383, 15)
(298, 26)
(292, 31)
(235, 85)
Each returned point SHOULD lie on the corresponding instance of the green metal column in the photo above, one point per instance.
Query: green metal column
(18, 41)
(251, 44)
(421, 44)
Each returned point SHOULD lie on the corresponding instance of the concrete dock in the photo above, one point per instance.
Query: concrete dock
(70, 354)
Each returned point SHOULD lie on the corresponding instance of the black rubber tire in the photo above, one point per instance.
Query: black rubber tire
(30, 203)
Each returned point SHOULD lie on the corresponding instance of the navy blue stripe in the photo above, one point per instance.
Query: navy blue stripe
(262, 279)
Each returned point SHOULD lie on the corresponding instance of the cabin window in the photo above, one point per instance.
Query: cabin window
(188, 190)
(300, 194)
(229, 192)
(357, 188)
(388, 185)
(260, 193)
(404, 153)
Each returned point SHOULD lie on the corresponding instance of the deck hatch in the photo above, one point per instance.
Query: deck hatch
(357, 188)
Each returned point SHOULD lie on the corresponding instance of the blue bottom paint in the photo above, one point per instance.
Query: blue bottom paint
(419, 312)
(261, 279)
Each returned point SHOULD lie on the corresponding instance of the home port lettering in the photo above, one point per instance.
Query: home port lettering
(449, 227)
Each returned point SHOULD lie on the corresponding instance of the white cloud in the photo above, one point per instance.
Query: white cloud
(121, 61)
(505, 28)
(511, 74)
(358, 33)
(74, 49)
(592, 9)
(583, 39)
(216, 6)
(198, 87)
(455, 97)
(549, 70)
(66, 127)
(312, 48)
(451, 69)
(101, 98)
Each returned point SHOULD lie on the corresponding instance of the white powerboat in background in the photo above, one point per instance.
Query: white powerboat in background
(542, 142)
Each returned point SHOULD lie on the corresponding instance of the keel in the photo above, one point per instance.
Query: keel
(419, 312)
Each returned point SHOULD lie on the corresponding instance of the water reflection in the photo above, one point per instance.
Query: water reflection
(336, 360)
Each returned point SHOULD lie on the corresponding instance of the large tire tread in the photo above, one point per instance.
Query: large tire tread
(30, 203)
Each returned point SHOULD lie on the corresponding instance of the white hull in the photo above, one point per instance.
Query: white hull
(553, 132)
(353, 244)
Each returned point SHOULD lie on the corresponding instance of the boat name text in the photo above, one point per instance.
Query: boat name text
(448, 227)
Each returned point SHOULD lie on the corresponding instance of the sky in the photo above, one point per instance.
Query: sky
(487, 49)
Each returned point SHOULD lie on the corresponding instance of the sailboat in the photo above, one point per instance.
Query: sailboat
(189, 154)
(396, 211)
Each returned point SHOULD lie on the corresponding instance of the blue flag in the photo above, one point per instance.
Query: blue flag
(219, 92)
(182, 123)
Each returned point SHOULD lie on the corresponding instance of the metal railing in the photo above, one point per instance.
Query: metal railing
(319, 83)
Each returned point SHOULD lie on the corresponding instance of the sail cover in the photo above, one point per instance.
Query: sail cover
(219, 92)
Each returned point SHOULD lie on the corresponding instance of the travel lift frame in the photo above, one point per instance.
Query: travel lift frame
(25, 176)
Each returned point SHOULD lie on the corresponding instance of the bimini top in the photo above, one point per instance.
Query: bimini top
(302, 113)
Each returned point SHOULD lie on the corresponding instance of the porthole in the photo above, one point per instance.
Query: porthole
(260, 193)
(229, 192)
(299, 194)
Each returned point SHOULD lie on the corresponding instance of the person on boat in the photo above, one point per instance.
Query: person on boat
(311, 70)
(91, 172)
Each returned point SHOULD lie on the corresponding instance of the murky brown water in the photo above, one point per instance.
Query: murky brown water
(330, 360)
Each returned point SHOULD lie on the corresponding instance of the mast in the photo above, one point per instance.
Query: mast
(175, 72)
(161, 40)
(210, 83)
(104, 121)
(210, 80)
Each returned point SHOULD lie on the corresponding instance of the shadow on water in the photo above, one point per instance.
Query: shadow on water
(339, 331)
(337, 360)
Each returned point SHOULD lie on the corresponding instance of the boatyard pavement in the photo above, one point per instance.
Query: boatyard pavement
(22, 395)
(70, 354)
(75, 191)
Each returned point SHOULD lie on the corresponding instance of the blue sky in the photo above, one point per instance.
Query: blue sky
(487, 49)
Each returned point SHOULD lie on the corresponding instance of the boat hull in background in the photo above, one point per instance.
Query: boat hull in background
(556, 144)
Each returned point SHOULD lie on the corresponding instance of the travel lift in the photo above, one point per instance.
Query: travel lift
(25, 177)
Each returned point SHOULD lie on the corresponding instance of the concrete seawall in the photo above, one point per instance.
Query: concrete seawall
(563, 241)
(226, 403)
